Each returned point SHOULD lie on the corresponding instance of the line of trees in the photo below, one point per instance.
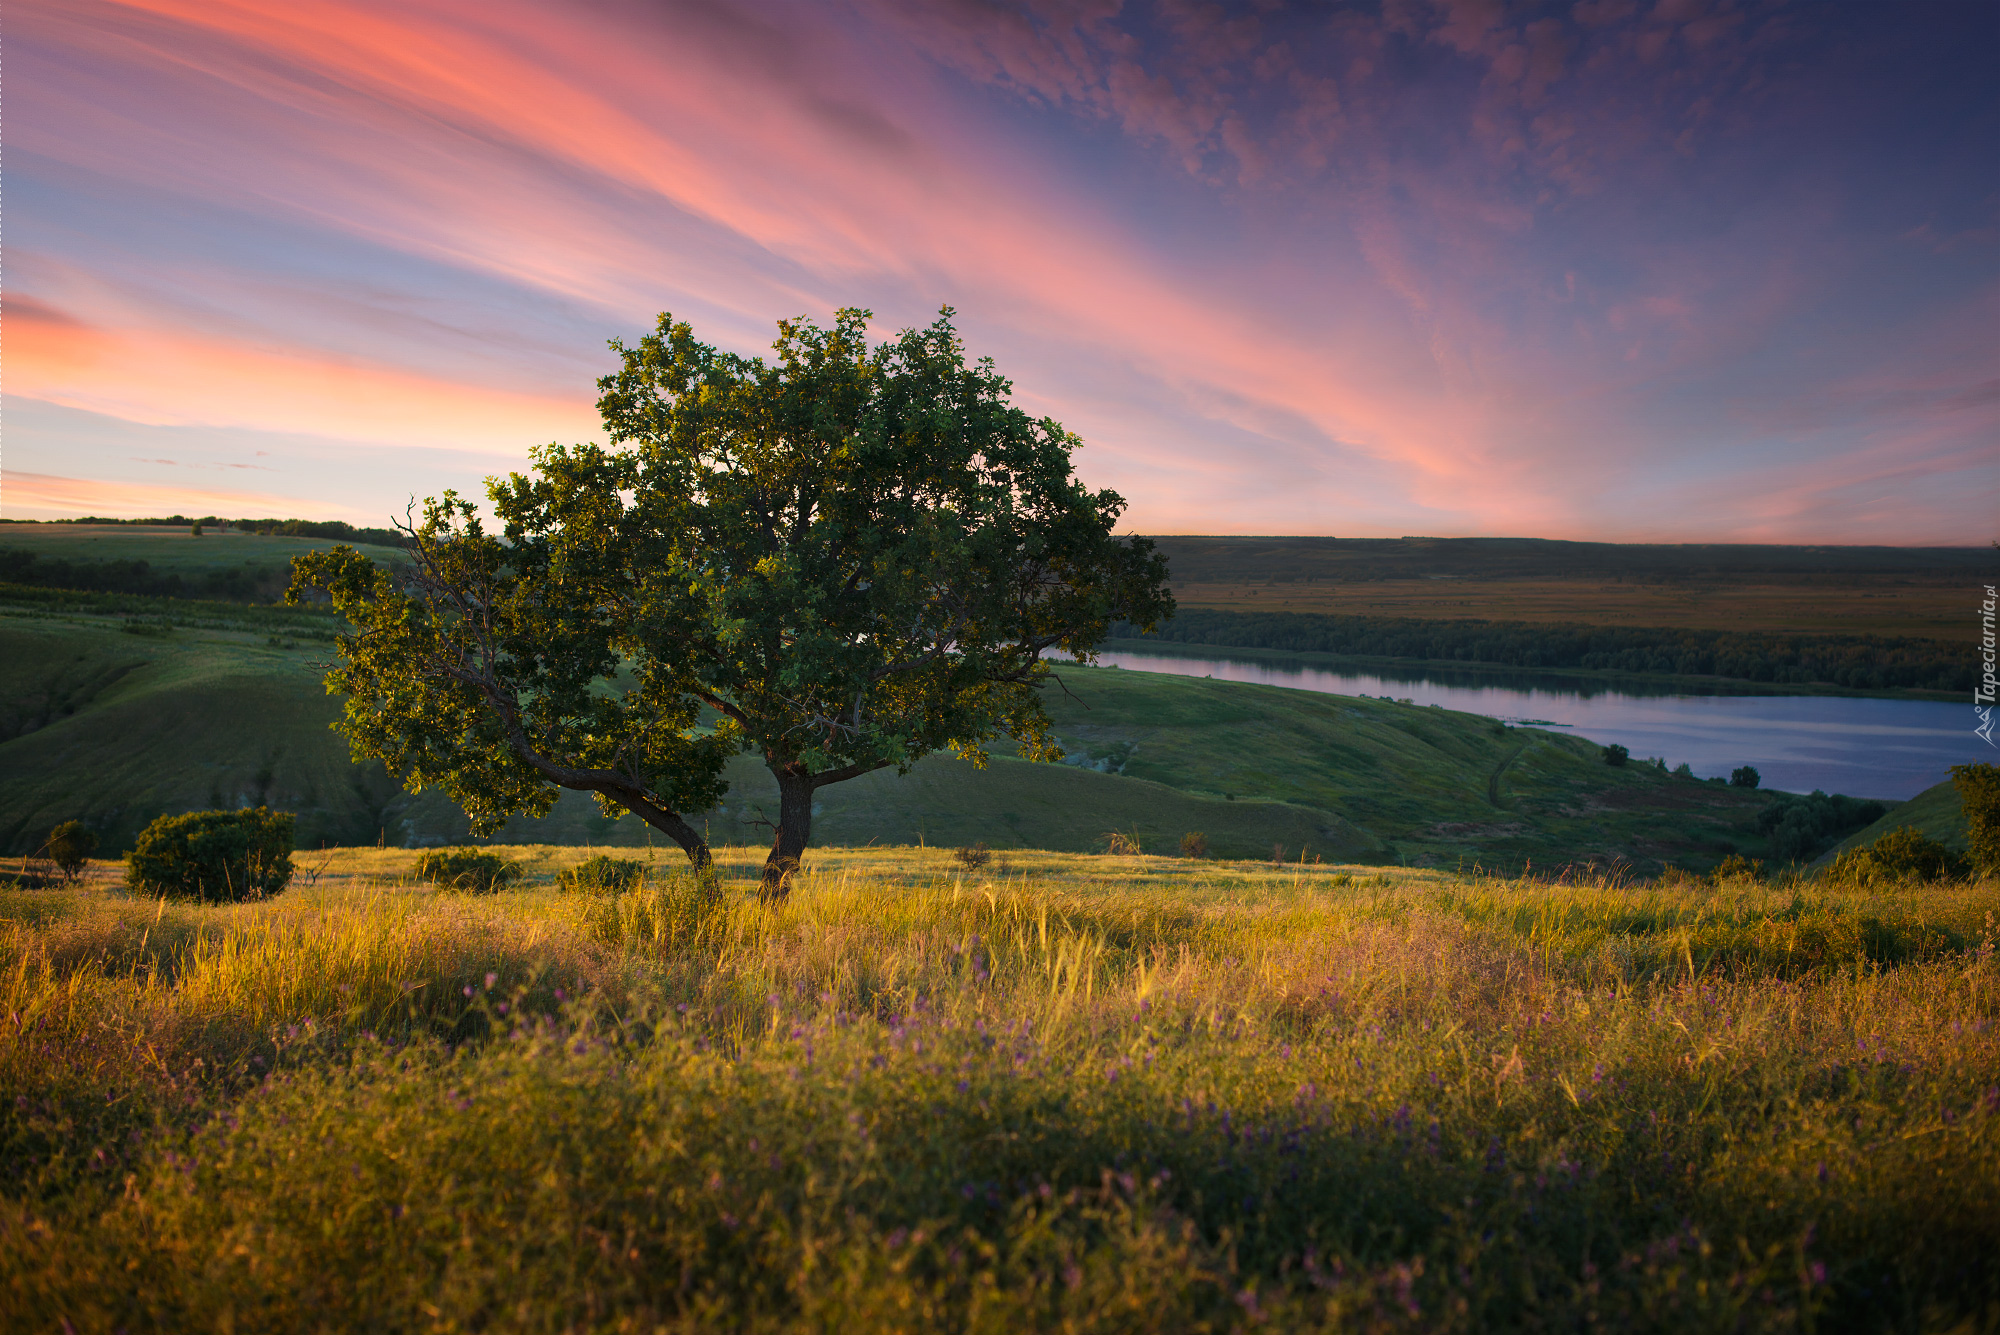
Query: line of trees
(1203, 559)
(1862, 662)
(240, 584)
(335, 529)
(1801, 827)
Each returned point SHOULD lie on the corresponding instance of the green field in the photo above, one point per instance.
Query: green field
(1077, 1094)
(1936, 812)
(116, 728)
(171, 549)
(232, 563)
(1892, 591)
(1870, 620)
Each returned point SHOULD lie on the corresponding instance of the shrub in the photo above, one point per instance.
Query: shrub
(1615, 755)
(1901, 854)
(1979, 793)
(1194, 844)
(214, 855)
(69, 846)
(1738, 865)
(973, 856)
(602, 875)
(35, 874)
(675, 913)
(1801, 828)
(1745, 776)
(467, 869)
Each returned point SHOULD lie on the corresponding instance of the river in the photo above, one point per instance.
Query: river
(1843, 744)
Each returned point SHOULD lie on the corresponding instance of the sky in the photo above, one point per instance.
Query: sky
(1627, 270)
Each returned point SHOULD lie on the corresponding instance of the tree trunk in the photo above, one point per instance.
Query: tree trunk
(672, 826)
(688, 838)
(795, 823)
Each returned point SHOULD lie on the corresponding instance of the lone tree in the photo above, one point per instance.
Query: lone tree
(840, 560)
(69, 846)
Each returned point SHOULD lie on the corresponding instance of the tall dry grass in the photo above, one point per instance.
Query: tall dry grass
(1088, 1093)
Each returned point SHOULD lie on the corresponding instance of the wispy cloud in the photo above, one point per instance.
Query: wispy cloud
(155, 375)
(41, 494)
(1454, 266)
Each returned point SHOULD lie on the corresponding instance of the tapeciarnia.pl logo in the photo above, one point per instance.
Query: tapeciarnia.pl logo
(1982, 694)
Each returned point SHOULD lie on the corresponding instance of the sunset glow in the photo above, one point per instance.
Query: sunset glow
(1692, 270)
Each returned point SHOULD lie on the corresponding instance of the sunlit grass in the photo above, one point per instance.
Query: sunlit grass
(1061, 1091)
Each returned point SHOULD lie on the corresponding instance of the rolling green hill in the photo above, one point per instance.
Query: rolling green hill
(117, 728)
(1936, 812)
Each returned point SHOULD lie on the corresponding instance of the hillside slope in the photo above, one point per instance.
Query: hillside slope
(117, 728)
(1936, 812)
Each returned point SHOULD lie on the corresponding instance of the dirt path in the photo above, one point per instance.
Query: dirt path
(1493, 779)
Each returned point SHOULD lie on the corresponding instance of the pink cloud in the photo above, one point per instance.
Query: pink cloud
(922, 213)
(164, 375)
(45, 496)
(1359, 309)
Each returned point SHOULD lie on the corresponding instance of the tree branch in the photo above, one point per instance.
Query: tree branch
(846, 772)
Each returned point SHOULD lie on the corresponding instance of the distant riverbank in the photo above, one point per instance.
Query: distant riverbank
(1585, 681)
(1838, 742)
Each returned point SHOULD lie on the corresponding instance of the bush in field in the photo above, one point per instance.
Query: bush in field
(602, 875)
(1801, 828)
(467, 869)
(1194, 844)
(973, 856)
(1897, 855)
(1745, 776)
(1615, 755)
(69, 846)
(217, 856)
(35, 874)
(1736, 865)
(670, 915)
(1979, 793)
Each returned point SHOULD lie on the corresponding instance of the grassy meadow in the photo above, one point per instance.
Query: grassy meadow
(1057, 1092)
(1937, 813)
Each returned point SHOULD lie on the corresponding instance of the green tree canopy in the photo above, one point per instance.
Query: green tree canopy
(840, 559)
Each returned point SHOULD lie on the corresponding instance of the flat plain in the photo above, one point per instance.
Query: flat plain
(1869, 605)
(1927, 593)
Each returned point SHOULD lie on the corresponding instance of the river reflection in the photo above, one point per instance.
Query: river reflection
(1859, 746)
